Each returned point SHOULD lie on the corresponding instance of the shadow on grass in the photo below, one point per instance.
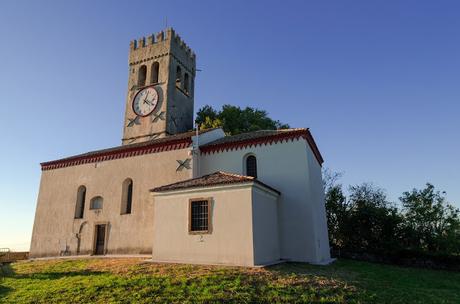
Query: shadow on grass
(4, 290)
(6, 271)
(303, 269)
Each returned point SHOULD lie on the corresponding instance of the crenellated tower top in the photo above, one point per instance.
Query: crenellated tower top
(168, 38)
(164, 63)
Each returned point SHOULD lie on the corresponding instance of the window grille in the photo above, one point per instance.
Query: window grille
(199, 216)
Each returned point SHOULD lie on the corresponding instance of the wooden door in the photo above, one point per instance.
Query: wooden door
(100, 239)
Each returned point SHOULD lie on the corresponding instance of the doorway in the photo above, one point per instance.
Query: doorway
(99, 248)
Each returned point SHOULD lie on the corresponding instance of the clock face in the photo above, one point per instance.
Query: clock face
(145, 101)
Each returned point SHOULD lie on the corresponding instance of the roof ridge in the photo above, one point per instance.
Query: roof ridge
(212, 179)
(233, 174)
(262, 137)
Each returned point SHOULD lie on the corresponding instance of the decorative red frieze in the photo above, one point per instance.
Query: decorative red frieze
(121, 152)
(266, 140)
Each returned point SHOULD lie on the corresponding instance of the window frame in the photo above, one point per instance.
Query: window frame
(178, 79)
(125, 198)
(190, 202)
(246, 158)
(93, 199)
(155, 71)
(186, 83)
(144, 76)
(80, 203)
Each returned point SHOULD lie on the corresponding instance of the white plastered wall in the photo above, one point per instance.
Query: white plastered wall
(290, 168)
(265, 226)
(230, 241)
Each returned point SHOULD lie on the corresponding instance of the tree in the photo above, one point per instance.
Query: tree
(432, 224)
(363, 222)
(374, 224)
(336, 215)
(336, 208)
(235, 120)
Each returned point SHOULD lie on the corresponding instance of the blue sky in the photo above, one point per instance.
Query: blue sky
(376, 81)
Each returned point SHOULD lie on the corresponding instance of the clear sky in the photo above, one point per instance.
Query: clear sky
(378, 83)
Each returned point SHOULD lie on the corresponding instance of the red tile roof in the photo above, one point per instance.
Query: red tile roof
(184, 140)
(172, 142)
(214, 179)
(258, 138)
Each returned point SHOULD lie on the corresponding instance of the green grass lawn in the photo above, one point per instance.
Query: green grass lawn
(136, 281)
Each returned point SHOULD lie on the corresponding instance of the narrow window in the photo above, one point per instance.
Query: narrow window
(192, 85)
(199, 216)
(96, 203)
(178, 77)
(155, 72)
(80, 206)
(186, 82)
(127, 196)
(251, 166)
(142, 75)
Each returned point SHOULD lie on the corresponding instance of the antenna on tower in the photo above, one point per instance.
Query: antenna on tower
(166, 22)
(196, 150)
(197, 134)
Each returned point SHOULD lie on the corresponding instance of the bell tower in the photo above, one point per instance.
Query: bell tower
(160, 88)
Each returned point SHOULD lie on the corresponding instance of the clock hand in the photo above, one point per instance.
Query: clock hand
(145, 99)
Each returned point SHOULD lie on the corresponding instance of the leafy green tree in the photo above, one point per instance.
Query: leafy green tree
(336, 208)
(366, 222)
(336, 214)
(235, 120)
(432, 224)
(363, 222)
(374, 223)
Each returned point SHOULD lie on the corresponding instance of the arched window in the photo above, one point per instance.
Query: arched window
(186, 87)
(80, 206)
(178, 77)
(127, 196)
(155, 72)
(251, 166)
(96, 203)
(141, 76)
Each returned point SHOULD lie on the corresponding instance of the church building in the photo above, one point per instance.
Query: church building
(180, 195)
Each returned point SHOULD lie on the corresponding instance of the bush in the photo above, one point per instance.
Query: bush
(365, 225)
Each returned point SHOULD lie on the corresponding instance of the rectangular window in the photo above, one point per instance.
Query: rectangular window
(200, 215)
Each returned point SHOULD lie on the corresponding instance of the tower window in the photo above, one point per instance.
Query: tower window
(186, 80)
(200, 219)
(178, 77)
(96, 203)
(251, 166)
(155, 72)
(142, 75)
(127, 196)
(80, 205)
